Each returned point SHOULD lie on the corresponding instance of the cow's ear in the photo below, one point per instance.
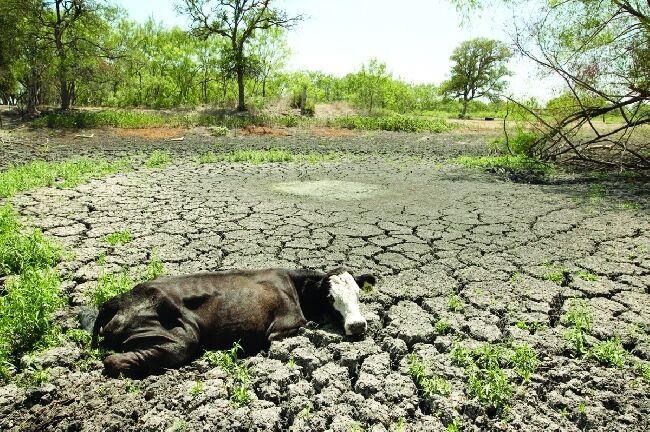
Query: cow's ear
(363, 279)
(168, 312)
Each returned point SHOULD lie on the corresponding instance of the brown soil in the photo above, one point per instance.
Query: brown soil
(334, 132)
(263, 131)
(149, 133)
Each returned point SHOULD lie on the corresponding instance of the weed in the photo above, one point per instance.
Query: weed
(510, 163)
(66, 174)
(582, 408)
(429, 385)
(396, 123)
(596, 192)
(158, 159)
(564, 411)
(455, 303)
(33, 377)
(197, 389)
(307, 411)
(208, 158)
(580, 318)
(154, 269)
(118, 237)
(514, 276)
(642, 369)
(21, 251)
(609, 353)
(522, 143)
(556, 276)
(442, 327)
(454, 426)
(130, 386)
(292, 363)
(238, 392)
(219, 131)
(178, 426)
(367, 287)
(630, 206)
(26, 307)
(257, 156)
(587, 276)
(525, 361)
(400, 425)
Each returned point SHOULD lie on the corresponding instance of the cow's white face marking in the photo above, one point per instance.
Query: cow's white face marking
(345, 292)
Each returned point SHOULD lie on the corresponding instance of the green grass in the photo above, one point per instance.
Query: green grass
(26, 309)
(158, 159)
(587, 276)
(118, 237)
(511, 163)
(486, 366)
(642, 369)
(429, 385)
(395, 123)
(580, 319)
(609, 353)
(455, 303)
(228, 360)
(109, 285)
(442, 327)
(22, 250)
(208, 158)
(219, 131)
(198, 388)
(66, 174)
(556, 276)
(257, 157)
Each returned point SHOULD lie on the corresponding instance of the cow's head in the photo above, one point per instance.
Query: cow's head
(344, 296)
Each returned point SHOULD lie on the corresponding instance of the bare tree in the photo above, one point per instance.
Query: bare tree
(236, 20)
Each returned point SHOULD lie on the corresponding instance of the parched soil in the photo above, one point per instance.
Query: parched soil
(389, 205)
(263, 131)
(149, 133)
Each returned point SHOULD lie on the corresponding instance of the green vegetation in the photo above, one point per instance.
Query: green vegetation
(198, 388)
(256, 157)
(442, 327)
(109, 285)
(238, 391)
(487, 379)
(208, 158)
(429, 385)
(520, 144)
(30, 295)
(630, 206)
(454, 426)
(587, 276)
(597, 192)
(219, 131)
(118, 237)
(367, 288)
(158, 159)
(556, 276)
(642, 369)
(531, 327)
(609, 353)
(511, 163)
(396, 123)
(67, 174)
(580, 318)
(455, 303)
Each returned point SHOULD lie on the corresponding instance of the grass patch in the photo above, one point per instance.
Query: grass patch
(118, 237)
(442, 327)
(609, 353)
(158, 159)
(21, 251)
(587, 276)
(395, 123)
(257, 157)
(109, 285)
(26, 308)
(580, 319)
(429, 385)
(486, 367)
(455, 303)
(208, 158)
(66, 174)
(197, 388)
(228, 360)
(508, 163)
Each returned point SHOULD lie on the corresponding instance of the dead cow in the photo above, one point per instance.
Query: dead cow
(169, 321)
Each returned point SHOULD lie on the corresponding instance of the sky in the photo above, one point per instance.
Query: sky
(414, 40)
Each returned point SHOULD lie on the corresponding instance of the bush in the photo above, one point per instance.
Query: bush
(522, 143)
(395, 123)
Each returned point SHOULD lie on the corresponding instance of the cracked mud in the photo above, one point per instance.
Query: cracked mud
(429, 231)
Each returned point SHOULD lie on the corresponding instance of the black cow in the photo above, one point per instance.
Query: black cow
(169, 321)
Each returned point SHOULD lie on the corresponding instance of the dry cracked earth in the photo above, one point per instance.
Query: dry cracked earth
(428, 230)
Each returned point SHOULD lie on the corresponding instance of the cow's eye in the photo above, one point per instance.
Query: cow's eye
(330, 297)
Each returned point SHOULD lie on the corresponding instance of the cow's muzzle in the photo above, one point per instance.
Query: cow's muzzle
(356, 327)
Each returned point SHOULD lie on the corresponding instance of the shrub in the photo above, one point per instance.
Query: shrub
(580, 318)
(219, 131)
(510, 163)
(609, 353)
(396, 123)
(522, 143)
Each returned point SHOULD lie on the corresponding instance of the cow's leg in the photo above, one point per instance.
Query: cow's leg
(285, 326)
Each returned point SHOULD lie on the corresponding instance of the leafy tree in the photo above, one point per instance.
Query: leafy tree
(479, 69)
(370, 85)
(237, 21)
(270, 52)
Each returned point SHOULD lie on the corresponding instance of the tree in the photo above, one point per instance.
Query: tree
(238, 21)
(370, 85)
(270, 52)
(479, 69)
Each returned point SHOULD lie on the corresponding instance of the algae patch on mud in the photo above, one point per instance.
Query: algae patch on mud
(330, 189)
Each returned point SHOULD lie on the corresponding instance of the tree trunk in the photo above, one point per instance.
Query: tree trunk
(264, 88)
(241, 106)
(465, 101)
(32, 94)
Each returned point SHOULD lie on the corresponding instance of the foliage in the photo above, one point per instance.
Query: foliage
(66, 174)
(26, 308)
(109, 285)
(429, 385)
(579, 317)
(158, 159)
(511, 163)
(455, 303)
(609, 353)
(118, 237)
(219, 131)
(478, 70)
(442, 327)
(396, 123)
(266, 156)
(238, 391)
(22, 251)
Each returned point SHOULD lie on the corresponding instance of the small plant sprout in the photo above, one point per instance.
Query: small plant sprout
(400, 425)
(197, 389)
(609, 353)
(454, 426)
(219, 131)
(525, 361)
(580, 318)
(238, 391)
(158, 159)
(455, 303)
(442, 327)
(587, 276)
(429, 385)
(208, 158)
(292, 363)
(642, 368)
(307, 411)
(118, 237)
